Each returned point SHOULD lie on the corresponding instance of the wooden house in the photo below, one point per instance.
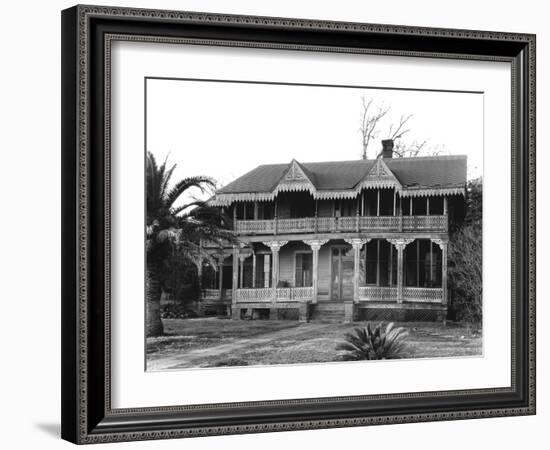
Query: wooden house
(342, 240)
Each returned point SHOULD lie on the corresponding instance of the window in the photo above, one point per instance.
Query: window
(422, 264)
(380, 263)
(263, 270)
(266, 210)
(378, 202)
(304, 270)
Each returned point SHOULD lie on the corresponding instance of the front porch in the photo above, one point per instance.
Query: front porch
(358, 273)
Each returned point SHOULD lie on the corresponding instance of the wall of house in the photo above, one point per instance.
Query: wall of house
(287, 260)
(287, 266)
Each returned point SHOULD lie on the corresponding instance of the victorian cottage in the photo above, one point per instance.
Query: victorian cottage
(342, 240)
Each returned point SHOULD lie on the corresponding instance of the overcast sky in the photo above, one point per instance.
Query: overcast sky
(226, 129)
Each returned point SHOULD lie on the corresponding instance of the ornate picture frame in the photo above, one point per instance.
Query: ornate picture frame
(87, 35)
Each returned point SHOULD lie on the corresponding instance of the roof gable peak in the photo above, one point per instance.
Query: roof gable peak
(295, 178)
(380, 176)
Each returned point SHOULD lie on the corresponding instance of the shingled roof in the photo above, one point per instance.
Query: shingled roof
(420, 174)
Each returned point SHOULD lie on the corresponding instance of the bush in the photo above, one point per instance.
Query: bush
(176, 311)
(378, 343)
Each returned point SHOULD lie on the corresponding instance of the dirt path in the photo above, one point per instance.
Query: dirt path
(186, 359)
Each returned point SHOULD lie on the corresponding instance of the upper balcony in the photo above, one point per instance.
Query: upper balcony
(427, 223)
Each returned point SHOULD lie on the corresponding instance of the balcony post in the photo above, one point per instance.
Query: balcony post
(275, 217)
(400, 213)
(446, 212)
(400, 245)
(357, 244)
(316, 229)
(315, 245)
(443, 245)
(357, 210)
(275, 246)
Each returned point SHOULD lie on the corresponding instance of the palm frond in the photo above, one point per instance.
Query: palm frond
(200, 182)
(373, 343)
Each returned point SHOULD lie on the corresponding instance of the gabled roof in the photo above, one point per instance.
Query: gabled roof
(429, 175)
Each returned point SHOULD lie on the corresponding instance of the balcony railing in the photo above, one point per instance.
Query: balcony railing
(260, 295)
(343, 224)
(410, 294)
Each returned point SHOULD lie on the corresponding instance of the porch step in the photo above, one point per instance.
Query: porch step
(328, 312)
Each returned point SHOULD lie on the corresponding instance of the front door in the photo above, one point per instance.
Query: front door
(342, 273)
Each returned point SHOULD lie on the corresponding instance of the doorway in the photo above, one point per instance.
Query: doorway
(342, 273)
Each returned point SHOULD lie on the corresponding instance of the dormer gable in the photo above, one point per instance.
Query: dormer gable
(296, 178)
(379, 176)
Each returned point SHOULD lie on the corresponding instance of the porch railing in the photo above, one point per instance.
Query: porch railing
(343, 224)
(410, 294)
(302, 293)
(423, 295)
(254, 295)
(377, 294)
(213, 295)
(258, 295)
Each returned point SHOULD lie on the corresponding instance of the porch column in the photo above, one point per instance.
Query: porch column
(242, 257)
(275, 246)
(235, 275)
(315, 245)
(443, 244)
(199, 278)
(357, 244)
(253, 269)
(220, 277)
(400, 245)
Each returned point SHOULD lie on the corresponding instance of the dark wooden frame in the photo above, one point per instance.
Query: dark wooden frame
(87, 415)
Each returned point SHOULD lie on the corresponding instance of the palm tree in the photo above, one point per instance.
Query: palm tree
(175, 230)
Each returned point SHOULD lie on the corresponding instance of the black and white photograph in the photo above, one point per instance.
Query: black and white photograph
(292, 223)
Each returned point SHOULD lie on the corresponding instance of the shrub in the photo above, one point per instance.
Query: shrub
(176, 311)
(378, 343)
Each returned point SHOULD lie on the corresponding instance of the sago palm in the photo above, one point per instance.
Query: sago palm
(378, 343)
(175, 230)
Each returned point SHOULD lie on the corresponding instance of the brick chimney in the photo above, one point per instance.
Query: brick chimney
(387, 148)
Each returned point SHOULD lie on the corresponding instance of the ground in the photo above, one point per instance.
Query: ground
(216, 342)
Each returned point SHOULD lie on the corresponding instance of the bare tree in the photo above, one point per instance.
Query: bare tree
(400, 129)
(372, 125)
(370, 119)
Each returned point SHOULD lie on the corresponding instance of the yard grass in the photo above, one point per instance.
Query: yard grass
(216, 342)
